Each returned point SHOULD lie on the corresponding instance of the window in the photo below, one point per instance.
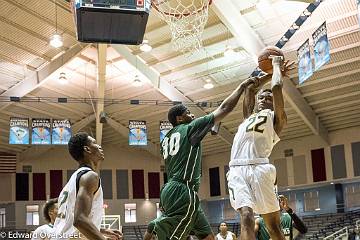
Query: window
(158, 210)
(311, 201)
(2, 218)
(130, 212)
(352, 196)
(32, 215)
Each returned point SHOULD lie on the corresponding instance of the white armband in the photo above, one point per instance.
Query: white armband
(276, 77)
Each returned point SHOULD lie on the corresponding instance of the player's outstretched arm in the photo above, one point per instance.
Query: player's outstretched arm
(88, 185)
(250, 93)
(230, 102)
(249, 100)
(278, 99)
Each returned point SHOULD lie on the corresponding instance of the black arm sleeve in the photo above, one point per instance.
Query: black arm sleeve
(298, 223)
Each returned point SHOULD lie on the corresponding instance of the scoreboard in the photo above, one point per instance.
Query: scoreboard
(111, 21)
(116, 4)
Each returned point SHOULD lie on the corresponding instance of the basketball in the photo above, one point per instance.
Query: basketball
(265, 63)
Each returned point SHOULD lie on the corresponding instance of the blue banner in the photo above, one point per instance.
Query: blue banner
(61, 131)
(41, 131)
(19, 131)
(304, 61)
(165, 127)
(137, 133)
(321, 47)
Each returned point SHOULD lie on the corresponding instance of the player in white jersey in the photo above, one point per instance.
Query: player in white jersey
(81, 200)
(224, 234)
(50, 212)
(252, 178)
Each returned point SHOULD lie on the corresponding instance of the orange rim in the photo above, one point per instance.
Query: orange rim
(178, 15)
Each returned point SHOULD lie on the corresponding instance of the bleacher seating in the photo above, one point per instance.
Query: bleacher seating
(326, 224)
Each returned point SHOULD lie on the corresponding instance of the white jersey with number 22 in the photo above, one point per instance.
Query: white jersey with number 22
(254, 139)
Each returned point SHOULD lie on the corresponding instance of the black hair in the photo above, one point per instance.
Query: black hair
(265, 90)
(223, 222)
(76, 145)
(49, 205)
(175, 111)
(262, 91)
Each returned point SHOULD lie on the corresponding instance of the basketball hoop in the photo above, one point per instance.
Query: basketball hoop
(186, 19)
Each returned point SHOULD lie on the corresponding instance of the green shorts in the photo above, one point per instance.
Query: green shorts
(181, 215)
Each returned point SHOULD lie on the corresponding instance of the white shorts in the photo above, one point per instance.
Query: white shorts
(253, 186)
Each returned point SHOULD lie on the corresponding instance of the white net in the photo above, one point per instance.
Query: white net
(187, 20)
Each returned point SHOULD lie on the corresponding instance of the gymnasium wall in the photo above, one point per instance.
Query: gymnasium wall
(7, 193)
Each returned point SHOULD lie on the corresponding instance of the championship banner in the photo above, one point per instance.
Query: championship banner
(165, 127)
(304, 61)
(321, 46)
(137, 133)
(61, 131)
(19, 131)
(41, 131)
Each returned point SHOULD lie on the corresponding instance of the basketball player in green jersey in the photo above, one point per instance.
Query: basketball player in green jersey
(181, 150)
(288, 221)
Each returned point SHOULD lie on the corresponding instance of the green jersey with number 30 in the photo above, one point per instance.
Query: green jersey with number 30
(181, 150)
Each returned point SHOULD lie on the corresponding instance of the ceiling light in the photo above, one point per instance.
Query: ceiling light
(62, 78)
(56, 41)
(208, 85)
(145, 47)
(229, 52)
(137, 82)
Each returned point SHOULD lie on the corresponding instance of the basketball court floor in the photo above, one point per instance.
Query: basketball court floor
(103, 88)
